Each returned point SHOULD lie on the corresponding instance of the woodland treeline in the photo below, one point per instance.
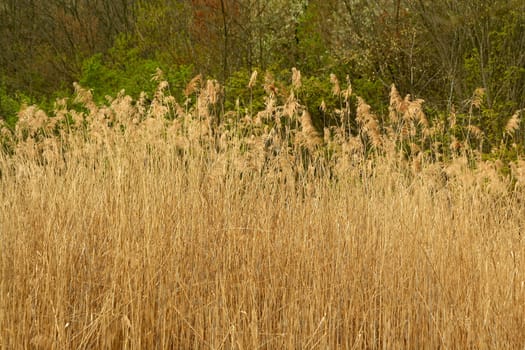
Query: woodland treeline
(441, 51)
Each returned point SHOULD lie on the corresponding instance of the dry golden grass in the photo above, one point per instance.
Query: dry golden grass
(127, 230)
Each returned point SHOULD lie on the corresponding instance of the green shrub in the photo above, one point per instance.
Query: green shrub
(123, 67)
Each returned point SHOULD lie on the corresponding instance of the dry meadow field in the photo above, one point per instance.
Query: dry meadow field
(159, 226)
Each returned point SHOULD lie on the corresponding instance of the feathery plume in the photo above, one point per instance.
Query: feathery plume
(513, 124)
(296, 78)
(253, 79)
(348, 91)
(313, 137)
(477, 98)
(475, 131)
(193, 85)
(452, 118)
(336, 88)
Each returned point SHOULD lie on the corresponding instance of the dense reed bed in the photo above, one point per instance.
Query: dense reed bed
(152, 225)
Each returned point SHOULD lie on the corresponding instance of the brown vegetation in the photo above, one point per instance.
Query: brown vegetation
(153, 225)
